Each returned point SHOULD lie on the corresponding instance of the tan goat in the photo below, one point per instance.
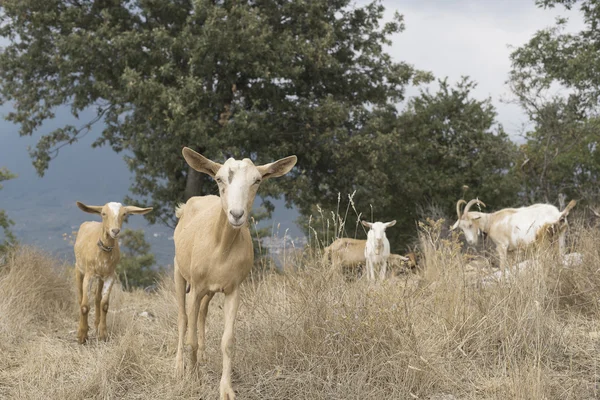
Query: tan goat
(346, 253)
(96, 257)
(214, 252)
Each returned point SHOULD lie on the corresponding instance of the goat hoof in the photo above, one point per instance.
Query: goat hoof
(227, 392)
(179, 369)
(82, 338)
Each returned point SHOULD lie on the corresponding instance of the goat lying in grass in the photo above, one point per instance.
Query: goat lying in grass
(513, 228)
(345, 253)
(377, 249)
(96, 257)
(213, 250)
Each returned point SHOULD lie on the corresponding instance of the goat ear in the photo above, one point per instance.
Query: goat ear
(453, 227)
(277, 168)
(367, 224)
(391, 223)
(137, 210)
(200, 163)
(90, 209)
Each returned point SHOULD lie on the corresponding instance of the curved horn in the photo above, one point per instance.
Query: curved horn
(470, 204)
(458, 203)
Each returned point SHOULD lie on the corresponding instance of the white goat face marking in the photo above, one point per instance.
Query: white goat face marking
(238, 183)
(115, 207)
(112, 218)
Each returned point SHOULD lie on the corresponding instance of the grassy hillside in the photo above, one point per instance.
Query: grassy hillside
(311, 334)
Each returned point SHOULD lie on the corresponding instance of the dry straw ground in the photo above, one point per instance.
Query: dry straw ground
(311, 334)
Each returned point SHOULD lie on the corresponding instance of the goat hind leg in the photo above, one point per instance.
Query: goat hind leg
(84, 309)
(180, 288)
(192, 331)
(202, 324)
(383, 271)
(98, 299)
(561, 240)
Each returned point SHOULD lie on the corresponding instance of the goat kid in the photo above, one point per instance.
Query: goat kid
(377, 249)
(96, 256)
(214, 253)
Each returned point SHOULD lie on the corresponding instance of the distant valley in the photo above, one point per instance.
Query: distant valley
(44, 209)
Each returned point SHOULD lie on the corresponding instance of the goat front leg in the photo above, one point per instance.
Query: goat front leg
(104, 305)
(230, 308)
(97, 304)
(84, 308)
(181, 318)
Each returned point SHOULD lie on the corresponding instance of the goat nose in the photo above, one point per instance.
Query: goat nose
(237, 214)
(115, 231)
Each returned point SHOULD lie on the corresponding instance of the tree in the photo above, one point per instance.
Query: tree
(135, 267)
(5, 222)
(259, 79)
(423, 155)
(561, 154)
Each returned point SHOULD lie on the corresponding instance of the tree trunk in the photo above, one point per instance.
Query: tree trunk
(193, 184)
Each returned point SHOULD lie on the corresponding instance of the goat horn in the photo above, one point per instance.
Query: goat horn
(470, 204)
(458, 203)
(596, 213)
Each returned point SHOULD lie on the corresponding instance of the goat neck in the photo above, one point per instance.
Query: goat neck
(484, 221)
(224, 231)
(107, 241)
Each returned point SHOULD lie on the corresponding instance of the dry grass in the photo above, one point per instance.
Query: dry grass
(309, 334)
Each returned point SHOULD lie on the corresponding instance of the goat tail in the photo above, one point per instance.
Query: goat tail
(179, 210)
(567, 209)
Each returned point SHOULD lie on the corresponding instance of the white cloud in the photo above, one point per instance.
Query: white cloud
(472, 38)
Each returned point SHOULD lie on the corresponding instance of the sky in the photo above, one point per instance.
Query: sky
(454, 38)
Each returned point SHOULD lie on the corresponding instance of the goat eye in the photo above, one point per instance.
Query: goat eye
(256, 182)
(104, 214)
(219, 180)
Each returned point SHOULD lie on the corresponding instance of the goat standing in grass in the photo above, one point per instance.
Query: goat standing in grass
(513, 228)
(96, 257)
(214, 253)
(349, 254)
(377, 249)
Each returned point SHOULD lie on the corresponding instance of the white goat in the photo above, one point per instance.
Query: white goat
(96, 256)
(214, 253)
(513, 228)
(377, 249)
(349, 254)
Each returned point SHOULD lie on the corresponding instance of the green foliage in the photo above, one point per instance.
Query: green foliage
(424, 155)
(261, 79)
(5, 222)
(135, 267)
(561, 154)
